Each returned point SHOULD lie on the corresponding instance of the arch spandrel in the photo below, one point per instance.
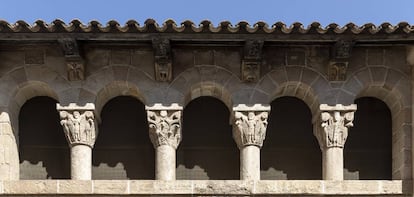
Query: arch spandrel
(297, 81)
(204, 80)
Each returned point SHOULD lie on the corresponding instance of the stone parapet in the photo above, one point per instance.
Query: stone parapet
(205, 187)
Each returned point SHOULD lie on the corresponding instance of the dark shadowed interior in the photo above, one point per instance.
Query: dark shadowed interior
(290, 150)
(368, 149)
(207, 150)
(43, 150)
(123, 149)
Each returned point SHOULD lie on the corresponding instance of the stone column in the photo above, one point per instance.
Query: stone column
(9, 155)
(165, 134)
(249, 131)
(79, 126)
(331, 130)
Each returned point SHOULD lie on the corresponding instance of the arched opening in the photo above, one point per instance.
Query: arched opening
(123, 149)
(43, 150)
(368, 149)
(207, 150)
(290, 150)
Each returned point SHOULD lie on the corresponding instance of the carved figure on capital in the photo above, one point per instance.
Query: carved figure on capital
(334, 128)
(165, 127)
(250, 128)
(79, 128)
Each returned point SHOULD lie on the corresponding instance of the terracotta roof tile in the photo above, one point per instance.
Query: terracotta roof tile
(225, 27)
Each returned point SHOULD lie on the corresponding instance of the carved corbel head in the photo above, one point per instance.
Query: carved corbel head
(338, 65)
(252, 60)
(162, 57)
(75, 65)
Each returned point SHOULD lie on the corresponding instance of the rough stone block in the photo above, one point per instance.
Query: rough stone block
(279, 76)
(10, 59)
(96, 59)
(225, 187)
(294, 73)
(34, 56)
(110, 187)
(229, 59)
(288, 187)
(296, 57)
(375, 56)
(203, 57)
(30, 187)
(182, 60)
(161, 187)
(74, 187)
(121, 57)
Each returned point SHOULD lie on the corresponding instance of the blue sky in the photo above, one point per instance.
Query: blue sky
(270, 11)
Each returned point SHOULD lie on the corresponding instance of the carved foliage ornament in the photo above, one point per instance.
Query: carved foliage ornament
(79, 127)
(164, 127)
(334, 127)
(163, 65)
(249, 128)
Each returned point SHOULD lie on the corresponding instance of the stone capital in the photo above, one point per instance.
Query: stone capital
(331, 128)
(249, 124)
(78, 123)
(164, 124)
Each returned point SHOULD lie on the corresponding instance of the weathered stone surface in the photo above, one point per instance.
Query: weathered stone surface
(161, 187)
(30, 187)
(74, 187)
(212, 187)
(110, 187)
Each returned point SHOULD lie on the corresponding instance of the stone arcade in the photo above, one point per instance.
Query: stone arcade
(204, 110)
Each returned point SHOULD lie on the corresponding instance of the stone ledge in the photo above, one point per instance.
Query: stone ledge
(208, 187)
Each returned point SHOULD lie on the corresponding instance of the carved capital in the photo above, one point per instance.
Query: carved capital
(164, 124)
(249, 124)
(78, 123)
(162, 57)
(331, 128)
(252, 60)
(75, 65)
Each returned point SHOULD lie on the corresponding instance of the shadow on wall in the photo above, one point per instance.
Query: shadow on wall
(207, 150)
(368, 150)
(123, 149)
(290, 150)
(43, 151)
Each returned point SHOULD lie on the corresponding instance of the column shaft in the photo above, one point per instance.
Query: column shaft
(250, 163)
(165, 163)
(333, 163)
(165, 134)
(9, 154)
(81, 162)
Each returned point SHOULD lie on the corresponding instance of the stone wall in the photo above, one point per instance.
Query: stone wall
(305, 71)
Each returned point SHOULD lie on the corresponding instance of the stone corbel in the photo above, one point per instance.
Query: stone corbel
(164, 124)
(78, 123)
(252, 60)
(249, 124)
(162, 59)
(75, 64)
(338, 64)
(331, 128)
